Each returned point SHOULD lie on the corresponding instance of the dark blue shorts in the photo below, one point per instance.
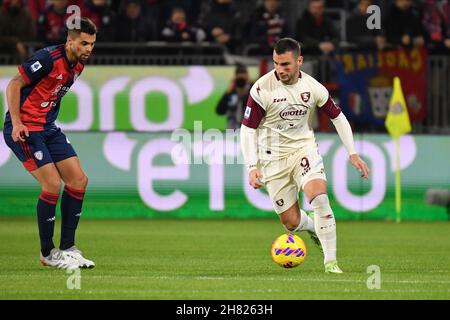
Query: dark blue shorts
(41, 147)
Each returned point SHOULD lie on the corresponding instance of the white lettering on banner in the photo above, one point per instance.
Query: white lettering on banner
(5, 152)
(138, 106)
(118, 149)
(408, 151)
(198, 84)
(376, 194)
(233, 152)
(213, 156)
(147, 173)
(182, 152)
(211, 150)
(107, 95)
(85, 117)
(3, 84)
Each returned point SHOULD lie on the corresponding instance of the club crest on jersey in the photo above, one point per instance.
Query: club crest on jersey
(35, 66)
(38, 155)
(291, 112)
(280, 202)
(247, 112)
(305, 96)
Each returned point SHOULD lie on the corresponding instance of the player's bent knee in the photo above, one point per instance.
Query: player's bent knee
(84, 181)
(290, 227)
(291, 223)
(79, 183)
(52, 185)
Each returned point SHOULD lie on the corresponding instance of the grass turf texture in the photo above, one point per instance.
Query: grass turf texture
(227, 259)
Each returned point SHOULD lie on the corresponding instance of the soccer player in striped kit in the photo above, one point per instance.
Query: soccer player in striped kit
(34, 97)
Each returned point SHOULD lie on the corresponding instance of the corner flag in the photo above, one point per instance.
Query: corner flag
(397, 119)
(397, 124)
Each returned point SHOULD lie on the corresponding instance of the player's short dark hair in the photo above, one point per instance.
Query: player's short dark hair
(85, 25)
(288, 45)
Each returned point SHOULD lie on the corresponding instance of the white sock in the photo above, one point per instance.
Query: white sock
(306, 223)
(325, 226)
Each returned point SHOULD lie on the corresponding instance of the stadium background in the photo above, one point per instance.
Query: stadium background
(136, 92)
(138, 107)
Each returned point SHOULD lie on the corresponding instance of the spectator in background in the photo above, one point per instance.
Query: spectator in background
(51, 23)
(178, 30)
(357, 31)
(222, 23)
(315, 30)
(16, 27)
(100, 13)
(233, 102)
(156, 12)
(446, 15)
(403, 26)
(267, 24)
(132, 25)
(36, 7)
(433, 22)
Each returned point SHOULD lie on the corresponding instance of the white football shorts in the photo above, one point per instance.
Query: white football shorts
(286, 177)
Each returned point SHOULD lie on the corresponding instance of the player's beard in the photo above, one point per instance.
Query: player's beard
(292, 77)
(83, 57)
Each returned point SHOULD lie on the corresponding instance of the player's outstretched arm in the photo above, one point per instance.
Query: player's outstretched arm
(19, 131)
(345, 133)
(359, 164)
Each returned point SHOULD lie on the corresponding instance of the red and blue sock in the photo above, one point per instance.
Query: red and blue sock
(71, 204)
(46, 220)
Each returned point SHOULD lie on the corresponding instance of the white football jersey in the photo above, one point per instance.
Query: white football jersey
(282, 114)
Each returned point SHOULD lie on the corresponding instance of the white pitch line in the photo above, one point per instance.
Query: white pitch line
(149, 291)
(208, 278)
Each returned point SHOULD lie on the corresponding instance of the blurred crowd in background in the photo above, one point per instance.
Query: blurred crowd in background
(233, 23)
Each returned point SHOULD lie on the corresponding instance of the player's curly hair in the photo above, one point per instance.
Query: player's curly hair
(288, 45)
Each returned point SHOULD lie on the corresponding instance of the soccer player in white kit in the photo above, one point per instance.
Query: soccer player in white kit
(280, 150)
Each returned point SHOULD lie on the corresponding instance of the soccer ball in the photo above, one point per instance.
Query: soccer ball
(288, 250)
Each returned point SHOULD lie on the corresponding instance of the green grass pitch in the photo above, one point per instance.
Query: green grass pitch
(227, 259)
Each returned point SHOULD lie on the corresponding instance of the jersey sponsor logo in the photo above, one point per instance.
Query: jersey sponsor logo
(305, 96)
(35, 66)
(38, 155)
(247, 112)
(45, 104)
(275, 100)
(57, 89)
(292, 113)
(280, 202)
